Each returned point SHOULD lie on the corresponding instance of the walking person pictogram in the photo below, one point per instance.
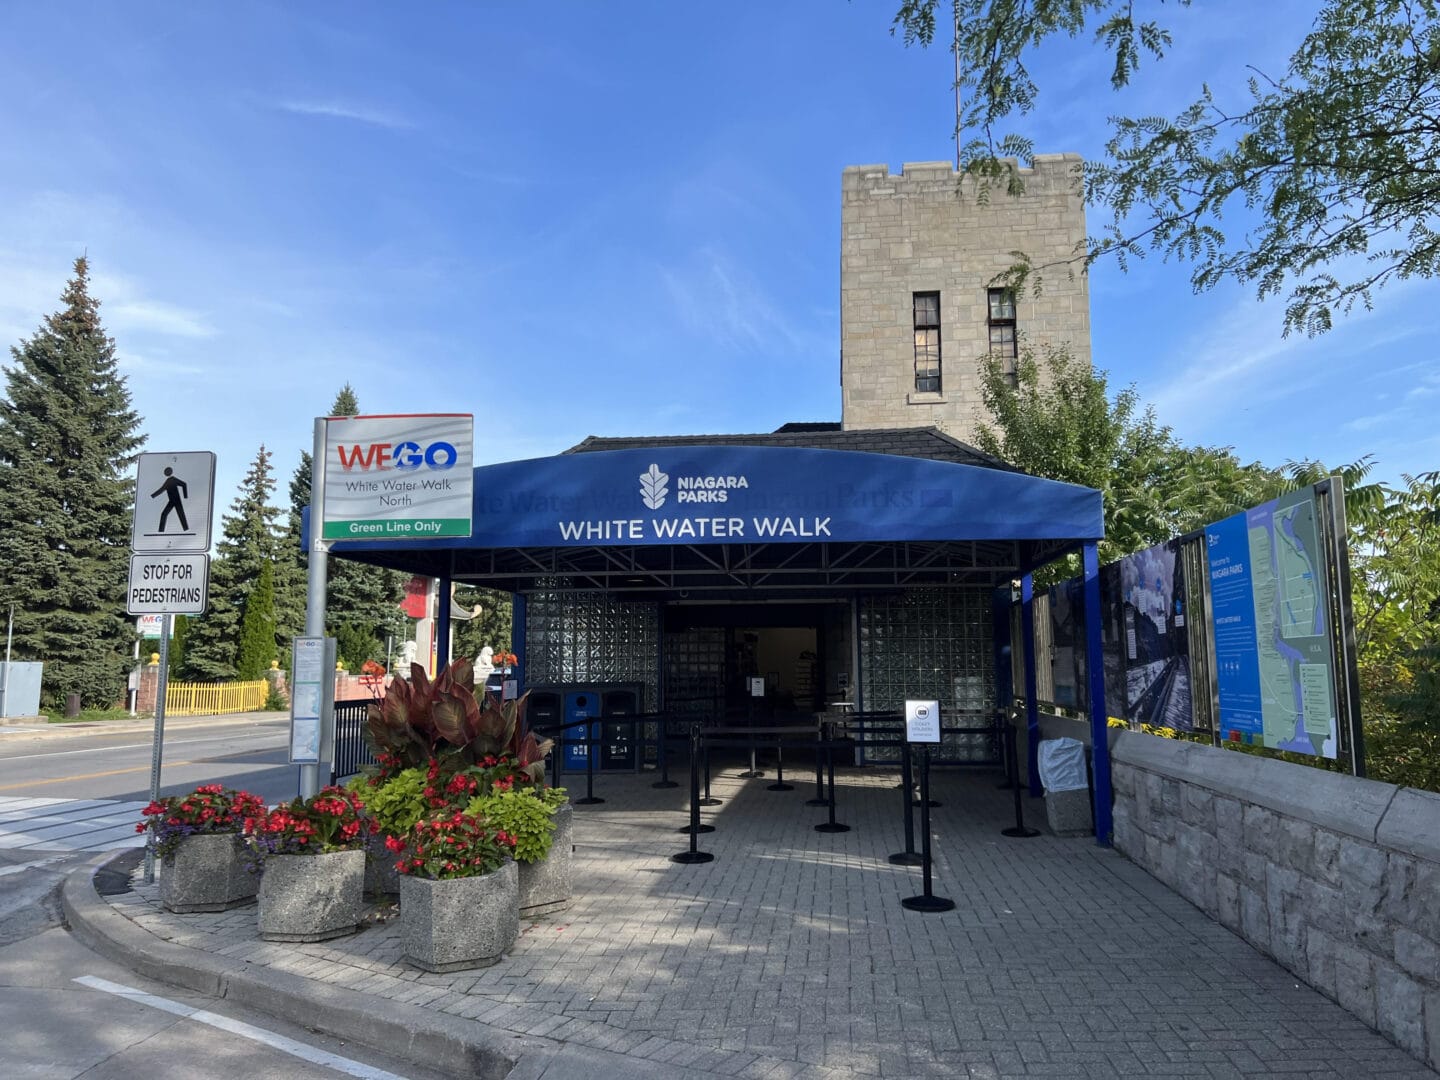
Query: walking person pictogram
(175, 488)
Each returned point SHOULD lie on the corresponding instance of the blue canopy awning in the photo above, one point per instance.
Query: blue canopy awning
(748, 496)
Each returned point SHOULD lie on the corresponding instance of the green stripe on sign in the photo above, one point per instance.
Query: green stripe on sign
(396, 529)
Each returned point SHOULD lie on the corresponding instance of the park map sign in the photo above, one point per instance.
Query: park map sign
(1274, 663)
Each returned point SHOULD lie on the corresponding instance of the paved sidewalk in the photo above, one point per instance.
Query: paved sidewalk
(790, 956)
(29, 728)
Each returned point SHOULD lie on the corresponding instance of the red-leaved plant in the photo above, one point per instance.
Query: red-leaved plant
(420, 720)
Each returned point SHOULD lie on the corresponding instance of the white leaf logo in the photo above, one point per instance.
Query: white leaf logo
(652, 487)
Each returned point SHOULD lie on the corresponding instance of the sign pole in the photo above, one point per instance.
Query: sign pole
(315, 582)
(5, 686)
(161, 686)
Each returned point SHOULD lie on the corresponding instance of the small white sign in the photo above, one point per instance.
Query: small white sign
(922, 721)
(174, 494)
(312, 682)
(151, 625)
(167, 584)
(757, 686)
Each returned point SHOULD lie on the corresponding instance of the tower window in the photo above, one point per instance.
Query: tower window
(927, 342)
(1002, 329)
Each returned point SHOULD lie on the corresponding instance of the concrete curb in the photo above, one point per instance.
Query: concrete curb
(435, 1040)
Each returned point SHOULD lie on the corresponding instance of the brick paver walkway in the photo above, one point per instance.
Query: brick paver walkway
(790, 955)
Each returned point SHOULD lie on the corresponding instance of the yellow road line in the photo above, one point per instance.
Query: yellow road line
(89, 776)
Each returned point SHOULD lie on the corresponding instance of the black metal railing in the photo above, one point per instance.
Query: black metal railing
(351, 753)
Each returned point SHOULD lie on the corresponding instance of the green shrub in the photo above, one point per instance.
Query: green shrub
(528, 814)
(397, 803)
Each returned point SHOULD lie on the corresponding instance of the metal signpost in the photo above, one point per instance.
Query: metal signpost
(379, 478)
(922, 725)
(169, 570)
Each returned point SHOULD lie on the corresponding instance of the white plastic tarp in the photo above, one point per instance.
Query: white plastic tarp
(1062, 765)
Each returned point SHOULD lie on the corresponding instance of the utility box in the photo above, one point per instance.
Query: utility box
(20, 688)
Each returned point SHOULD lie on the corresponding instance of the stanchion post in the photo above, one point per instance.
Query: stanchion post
(779, 784)
(908, 857)
(694, 854)
(830, 825)
(708, 800)
(1019, 830)
(590, 798)
(664, 781)
(823, 737)
(927, 900)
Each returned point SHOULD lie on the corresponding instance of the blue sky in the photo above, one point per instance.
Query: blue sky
(577, 219)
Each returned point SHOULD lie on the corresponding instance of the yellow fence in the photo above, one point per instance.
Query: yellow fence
(204, 699)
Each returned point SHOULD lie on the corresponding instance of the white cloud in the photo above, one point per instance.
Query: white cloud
(722, 302)
(158, 318)
(346, 110)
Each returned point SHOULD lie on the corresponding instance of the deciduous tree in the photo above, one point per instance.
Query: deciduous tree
(1337, 154)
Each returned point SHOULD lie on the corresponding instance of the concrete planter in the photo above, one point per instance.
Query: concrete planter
(382, 880)
(460, 923)
(547, 885)
(207, 873)
(312, 897)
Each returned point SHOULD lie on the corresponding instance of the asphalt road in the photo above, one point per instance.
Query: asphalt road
(70, 1013)
(100, 763)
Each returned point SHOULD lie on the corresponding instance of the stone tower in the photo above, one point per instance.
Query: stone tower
(918, 314)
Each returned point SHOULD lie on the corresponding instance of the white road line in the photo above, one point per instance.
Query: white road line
(245, 1031)
(279, 736)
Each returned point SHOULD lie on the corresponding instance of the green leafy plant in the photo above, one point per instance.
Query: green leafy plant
(527, 814)
(396, 803)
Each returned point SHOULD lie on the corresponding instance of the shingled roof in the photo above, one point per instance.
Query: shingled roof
(920, 442)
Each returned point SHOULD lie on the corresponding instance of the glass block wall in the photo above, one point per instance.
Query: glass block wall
(695, 673)
(583, 637)
(932, 644)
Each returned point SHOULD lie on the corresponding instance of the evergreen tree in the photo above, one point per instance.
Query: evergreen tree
(249, 542)
(492, 626)
(68, 439)
(257, 627)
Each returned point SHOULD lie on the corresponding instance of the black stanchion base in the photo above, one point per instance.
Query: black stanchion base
(591, 801)
(698, 828)
(927, 903)
(907, 858)
(831, 826)
(817, 802)
(748, 775)
(710, 802)
(664, 784)
(1020, 831)
(779, 787)
(693, 857)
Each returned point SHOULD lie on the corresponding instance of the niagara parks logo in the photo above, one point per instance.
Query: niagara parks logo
(653, 489)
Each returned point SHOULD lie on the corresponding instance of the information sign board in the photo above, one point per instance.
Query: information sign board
(312, 699)
(398, 477)
(174, 496)
(922, 721)
(1269, 594)
(167, 585)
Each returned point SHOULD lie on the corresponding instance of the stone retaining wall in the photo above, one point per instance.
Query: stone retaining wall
(1336, 878)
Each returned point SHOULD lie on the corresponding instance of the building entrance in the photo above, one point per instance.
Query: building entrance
(801, 651)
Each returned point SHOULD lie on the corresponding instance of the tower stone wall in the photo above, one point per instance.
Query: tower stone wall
(925, 230)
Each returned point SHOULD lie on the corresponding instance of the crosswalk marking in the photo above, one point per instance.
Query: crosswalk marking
(31, 824)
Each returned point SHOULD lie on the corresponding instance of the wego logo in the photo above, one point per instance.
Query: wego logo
(403, 456)
(653, 489)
